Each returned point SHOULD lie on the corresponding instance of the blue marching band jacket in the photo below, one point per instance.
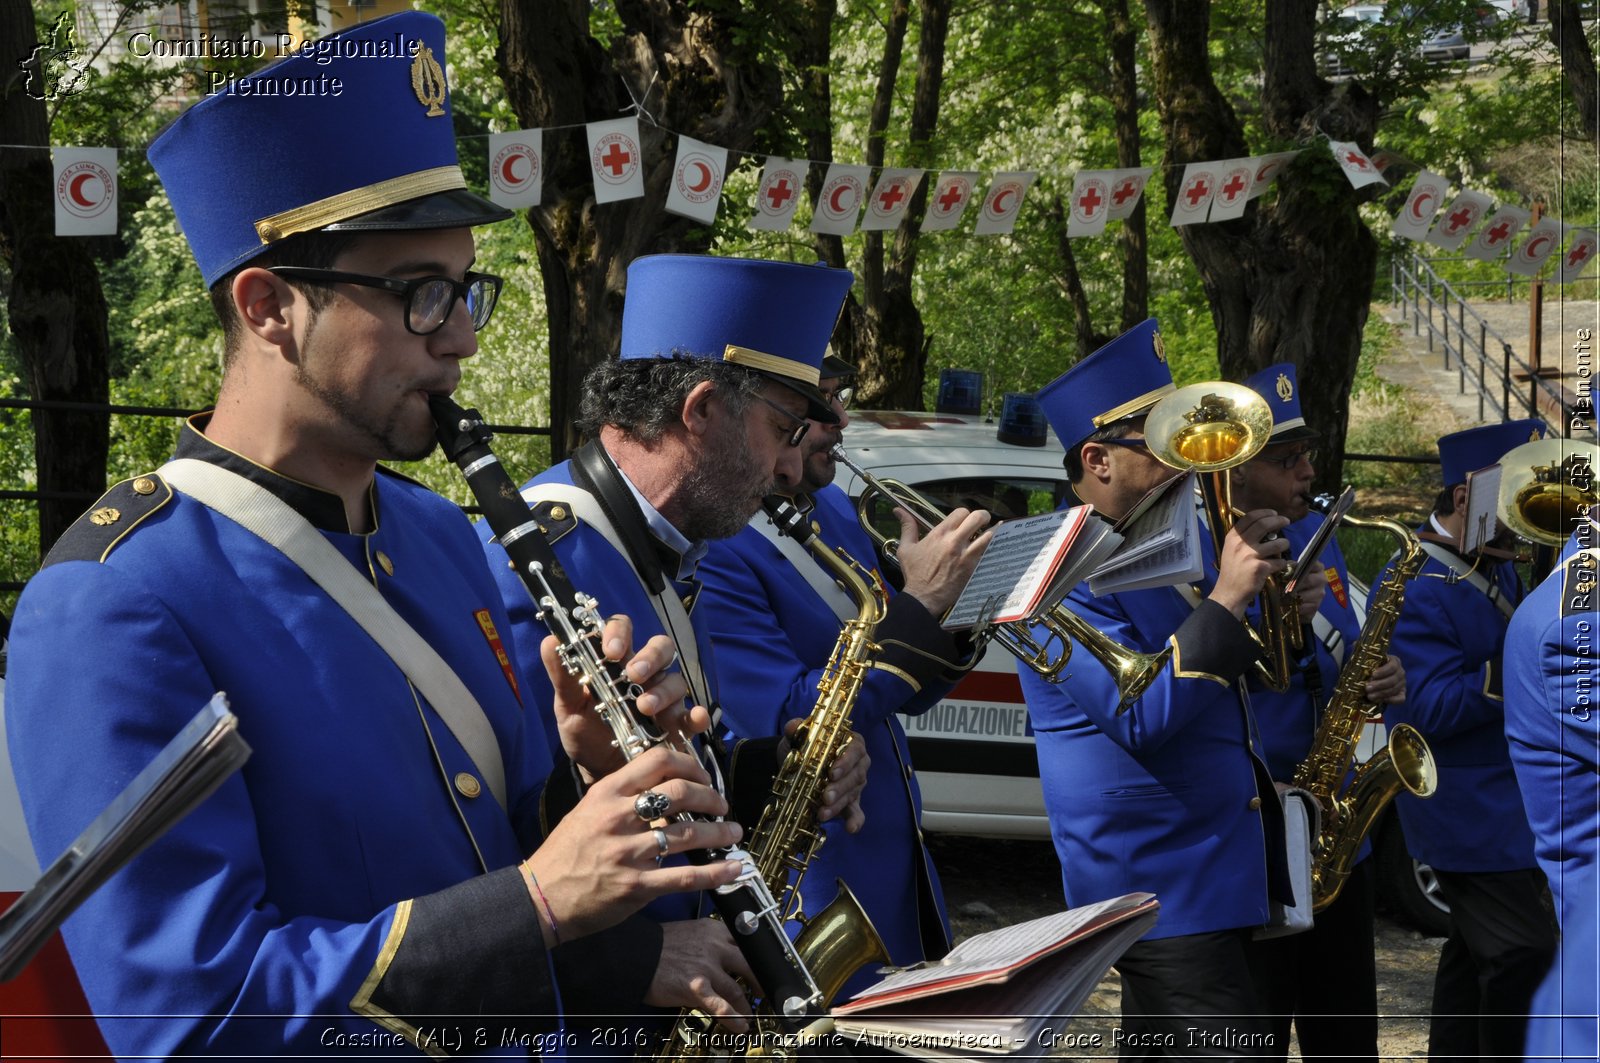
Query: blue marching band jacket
(773, 633)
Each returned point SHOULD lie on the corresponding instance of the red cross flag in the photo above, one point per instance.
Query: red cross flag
(614, 157)
(1383, 158)
(696, 186)
(1578, 256)
(778, 194)
(1127, 188)
(1496, 234)
(1543, 239)
(1234, 178)
(85, 191)
(1091, 203)
(836, 208)
(1455, 224)
(1195, 191)
(516, 177)
(890, 198)
(1003, 202)
(1358, 169)
(1427, 195)
(949, 201)
(1267, 169)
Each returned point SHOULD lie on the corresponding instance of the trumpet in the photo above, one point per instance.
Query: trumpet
(1209, 428)
(1133, 671)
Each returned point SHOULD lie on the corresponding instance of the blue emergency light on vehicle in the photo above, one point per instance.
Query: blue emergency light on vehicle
(1022, 420)
(960, 391)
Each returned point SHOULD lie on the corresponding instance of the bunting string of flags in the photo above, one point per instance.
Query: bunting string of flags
(85, 185)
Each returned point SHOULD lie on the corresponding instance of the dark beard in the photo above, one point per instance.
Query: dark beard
(391, 441)
(723, 490)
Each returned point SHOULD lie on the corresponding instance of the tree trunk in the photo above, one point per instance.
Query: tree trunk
(688, 71)
(1071, 284)
(56, 307)
(1290, 281)
(1577, 64)
(1125, 116)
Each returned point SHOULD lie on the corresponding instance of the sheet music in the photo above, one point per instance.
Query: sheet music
(1161, 545)
(1016, 568)
(1482, 519)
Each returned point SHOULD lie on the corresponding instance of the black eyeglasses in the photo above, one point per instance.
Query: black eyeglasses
(429, 300)
(843, 396)
(800, 429)
(1289, 461)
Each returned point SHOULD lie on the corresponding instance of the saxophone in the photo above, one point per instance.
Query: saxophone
(1406, 761)
(840, 939)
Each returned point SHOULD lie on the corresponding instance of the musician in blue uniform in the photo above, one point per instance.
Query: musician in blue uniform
(774, 615)
(699, 419)
(365, 881)
(1325, 979)
(1171, 796)
(1551, 669)
(1473, 831)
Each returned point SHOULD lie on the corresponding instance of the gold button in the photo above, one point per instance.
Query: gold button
(909, 772)
(385, 564)
(467, 785)
(558, 512)
(144, 486)
(1255, 803)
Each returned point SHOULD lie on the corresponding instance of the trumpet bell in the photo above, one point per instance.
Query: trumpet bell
(1545, 488)
(1208, 427)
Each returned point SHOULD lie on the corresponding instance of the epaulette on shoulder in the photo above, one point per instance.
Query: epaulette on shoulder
(111, 520)
(1578, 583)
(555, 518)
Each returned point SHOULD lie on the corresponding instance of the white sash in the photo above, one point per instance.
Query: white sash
(258, 510)
(1468, 575)
(801, 560)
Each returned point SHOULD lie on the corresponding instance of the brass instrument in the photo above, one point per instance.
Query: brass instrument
(1546, 487)
(840, 939)
(1209, 428)
(1348, 813)
(1132, 670)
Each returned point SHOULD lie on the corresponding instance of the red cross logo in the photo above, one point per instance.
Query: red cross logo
(1497, 234)
(1125, 191)
(778, 193)
(615, 159)
(1234, 186)
(1461, 219)
(1578, 254)
(1197, 190)
(1089, 200)
(951, 198)
(1356, 159)
(890, 196)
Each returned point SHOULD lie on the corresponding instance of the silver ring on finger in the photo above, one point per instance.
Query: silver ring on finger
(651, 805)
(663, 845)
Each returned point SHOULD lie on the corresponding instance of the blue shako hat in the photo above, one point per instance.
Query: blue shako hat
(1122, 379)
(774, 318)
(1278, 385)
(1477, 448)
(350, 132)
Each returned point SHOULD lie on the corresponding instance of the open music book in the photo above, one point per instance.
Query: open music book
(1482, 517)
(1030, 565)
(1320, 537)
(995, 992)
(1161, 542)
(190, 767)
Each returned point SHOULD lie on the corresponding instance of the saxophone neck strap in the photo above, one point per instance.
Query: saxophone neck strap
(798, 556)
(1330, 636)
(1464, 572)
(274, 521)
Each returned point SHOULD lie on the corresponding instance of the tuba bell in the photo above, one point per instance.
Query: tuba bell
(1546, 487)
(1209, 428)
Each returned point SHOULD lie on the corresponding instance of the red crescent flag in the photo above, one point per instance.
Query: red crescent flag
(890, 198)
(1358, 169)
(516, 167)
(1267, 169)
(1003, 202)
(1542, 241)
(615, 159)
(697, 178)
(1427, 196)
(1576, 258)
(1090, 203)
(778, 194)
(844, 189)
(85, 190)
(949, 200)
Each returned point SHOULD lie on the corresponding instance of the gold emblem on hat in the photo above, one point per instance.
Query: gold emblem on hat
(1285, 387)
(427, 80)
(105, 515)
(1160, 346)
(1533, 436)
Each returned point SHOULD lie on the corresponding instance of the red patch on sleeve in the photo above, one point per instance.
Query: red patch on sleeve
(1336, 585)
(486, 625)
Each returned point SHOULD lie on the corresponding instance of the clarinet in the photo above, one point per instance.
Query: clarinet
(747, 905)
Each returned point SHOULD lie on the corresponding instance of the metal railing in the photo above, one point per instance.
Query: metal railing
(1505, 383)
